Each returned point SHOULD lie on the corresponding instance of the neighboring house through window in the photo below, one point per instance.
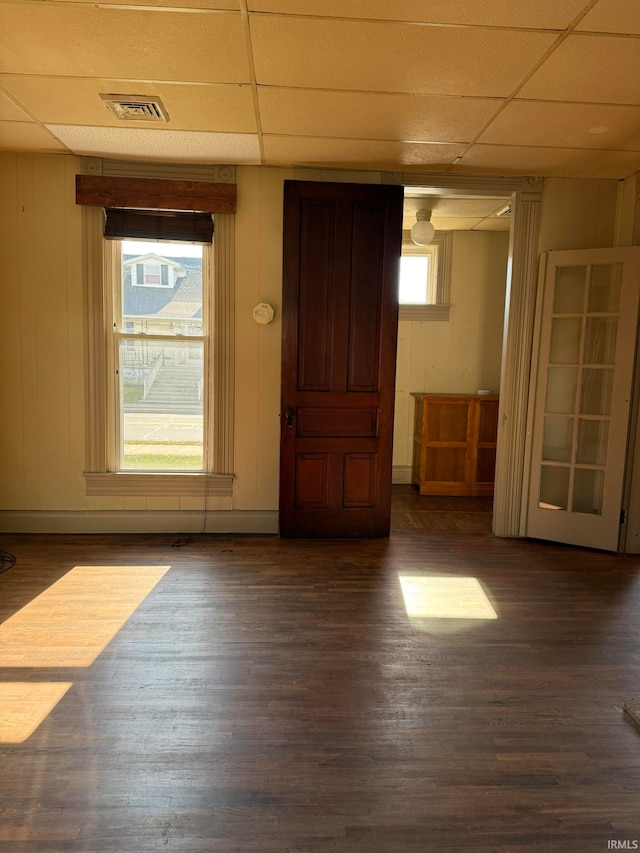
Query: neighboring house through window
(154, 271)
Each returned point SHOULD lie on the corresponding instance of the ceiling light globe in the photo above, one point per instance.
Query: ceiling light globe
(422, 232)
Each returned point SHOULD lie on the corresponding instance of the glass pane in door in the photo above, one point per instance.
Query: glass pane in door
(595, 391)
(561, 390)
(570, 287)
(588, 487)
(566, 334)
(558, 439)
(592, 442)
(604, 288)
(600, 342)
(554, 487)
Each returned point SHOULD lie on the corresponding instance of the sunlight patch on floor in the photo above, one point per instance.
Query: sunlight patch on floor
(443, 597)
(24, 705)
(72, 622)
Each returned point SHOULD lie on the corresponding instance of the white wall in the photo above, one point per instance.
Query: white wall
(463, 354)
(258, 279)
(42, 427)
(577, 213)
(41, 355)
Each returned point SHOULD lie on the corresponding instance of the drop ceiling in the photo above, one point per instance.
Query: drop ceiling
(542, 87)
(457, 213)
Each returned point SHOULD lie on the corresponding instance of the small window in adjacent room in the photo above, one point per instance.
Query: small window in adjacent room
(424, 286)
(417, 276)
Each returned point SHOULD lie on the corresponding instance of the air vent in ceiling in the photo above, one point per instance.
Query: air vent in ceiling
(136, 107)
(504, 211)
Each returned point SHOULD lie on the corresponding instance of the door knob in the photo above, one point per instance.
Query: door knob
(289, 415)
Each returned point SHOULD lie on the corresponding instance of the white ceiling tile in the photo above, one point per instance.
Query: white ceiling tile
(487, 13)
(455, 223)
(503, 224)
(613, 16)
(122, 43)
(474, 208)
(367, 115)
(356, 153)
(302, 52)
(73, 100)
(226, 5)
(342, 84)
(9, 111)
(596, 69)
(28, 136)
(565, 162)
(559, 124)
(145, 144)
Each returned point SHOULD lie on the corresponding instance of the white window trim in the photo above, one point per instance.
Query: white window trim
(439, 308)
(99, 478)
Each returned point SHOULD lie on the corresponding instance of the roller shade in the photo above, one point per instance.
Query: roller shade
(187, 226)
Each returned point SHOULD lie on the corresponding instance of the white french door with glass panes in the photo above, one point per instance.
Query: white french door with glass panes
(587, 339)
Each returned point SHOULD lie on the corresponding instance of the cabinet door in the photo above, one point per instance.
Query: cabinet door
(447, 433)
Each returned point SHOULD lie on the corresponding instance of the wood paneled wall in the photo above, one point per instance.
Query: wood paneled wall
(41, 355)
(577, 213)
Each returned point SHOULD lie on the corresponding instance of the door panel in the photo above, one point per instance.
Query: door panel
(340, 314)
(588, 328)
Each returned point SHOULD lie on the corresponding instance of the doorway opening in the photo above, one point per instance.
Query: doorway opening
(450, 347)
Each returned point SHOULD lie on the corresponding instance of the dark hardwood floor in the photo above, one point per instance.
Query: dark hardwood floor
(274, 697)
(435, 514)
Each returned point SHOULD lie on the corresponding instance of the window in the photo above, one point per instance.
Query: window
(424, 285)
(418, 275)
(153, 328)
(157, 355)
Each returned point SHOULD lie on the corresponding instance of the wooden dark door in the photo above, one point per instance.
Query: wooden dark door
(340, 318)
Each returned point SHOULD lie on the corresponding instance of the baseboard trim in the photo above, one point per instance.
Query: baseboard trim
(401, 474)
(138, 521)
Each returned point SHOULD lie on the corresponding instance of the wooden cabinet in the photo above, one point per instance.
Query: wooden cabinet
(454, 444)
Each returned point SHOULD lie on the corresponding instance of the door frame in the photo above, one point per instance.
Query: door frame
(520, 304)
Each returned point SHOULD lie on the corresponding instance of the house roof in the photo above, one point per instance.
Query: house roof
(181, 302)
(527, 87)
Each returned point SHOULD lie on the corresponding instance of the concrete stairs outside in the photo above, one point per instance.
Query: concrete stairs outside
(174, 389)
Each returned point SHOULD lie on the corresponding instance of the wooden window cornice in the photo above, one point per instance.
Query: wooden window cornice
(156, 194)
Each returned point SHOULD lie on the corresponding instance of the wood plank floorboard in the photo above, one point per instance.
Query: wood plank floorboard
(273, 696)
(439, 514)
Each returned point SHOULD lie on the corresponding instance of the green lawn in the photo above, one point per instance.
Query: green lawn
(132, 393)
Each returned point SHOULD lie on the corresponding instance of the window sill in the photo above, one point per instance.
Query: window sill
(143, 484)
(424, 312)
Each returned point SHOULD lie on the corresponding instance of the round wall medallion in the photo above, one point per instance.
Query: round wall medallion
(263, 313)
